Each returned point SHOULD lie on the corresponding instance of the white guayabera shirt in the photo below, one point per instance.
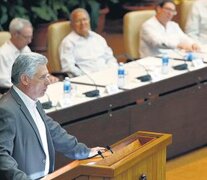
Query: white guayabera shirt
(8, 54)
(154, 37)
(90, 54)
(196, 26)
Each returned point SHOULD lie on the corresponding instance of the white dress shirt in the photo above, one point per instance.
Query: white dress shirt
(31, 106)
(90, 53)
(154, 37)
(196, 26)
(8, 54)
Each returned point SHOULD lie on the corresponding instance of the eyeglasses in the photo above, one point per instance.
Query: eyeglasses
(25, 37)
(173, 11)
(79, 21)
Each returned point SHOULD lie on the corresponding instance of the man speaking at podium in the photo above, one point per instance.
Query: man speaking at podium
(84, 48)
(28, 137)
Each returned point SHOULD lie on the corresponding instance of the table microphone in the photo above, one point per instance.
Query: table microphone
(143, 78)
(93, 93)
(183, 66)
(48, 103)
(180, 67)
(146, 77)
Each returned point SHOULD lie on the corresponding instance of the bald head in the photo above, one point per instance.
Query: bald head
(80, 22)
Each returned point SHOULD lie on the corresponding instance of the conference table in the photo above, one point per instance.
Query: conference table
(172, 103)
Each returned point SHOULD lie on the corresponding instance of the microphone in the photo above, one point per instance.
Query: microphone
(183, 66)
(48, 103)
(93, 93)
(179, 67)
(109, 148)
(100, 153)
(146, 77)
(143, 78)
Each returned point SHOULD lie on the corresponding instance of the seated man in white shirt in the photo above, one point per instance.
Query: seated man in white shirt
(82, 50)
(196, 26)
(21, 31)
(160, 32)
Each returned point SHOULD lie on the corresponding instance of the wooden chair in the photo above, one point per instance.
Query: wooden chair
(56, 32)
(185, 8)
(132, 24)
(4, 36)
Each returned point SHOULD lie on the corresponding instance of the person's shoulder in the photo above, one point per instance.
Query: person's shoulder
(8, 108)
(93, 33)
(198, 5)
(6, 101)
(6, 48)
(174, 24)
(5, 45)
(71, 37)
(149, 22)
(26, 49)
(96, 35)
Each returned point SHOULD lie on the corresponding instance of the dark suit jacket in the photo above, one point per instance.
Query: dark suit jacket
(21, 151)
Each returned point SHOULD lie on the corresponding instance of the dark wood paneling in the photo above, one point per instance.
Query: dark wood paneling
(181, 113)
(176, 105)
(100, 130)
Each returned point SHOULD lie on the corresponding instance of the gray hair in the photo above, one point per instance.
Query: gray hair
(26, 63)
(17, 24)
(78, 10)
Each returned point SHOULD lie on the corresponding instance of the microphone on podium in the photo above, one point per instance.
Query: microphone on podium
(100, 153)
(109, 148)
(93, 93)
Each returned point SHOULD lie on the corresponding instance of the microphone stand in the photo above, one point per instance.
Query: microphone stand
(143, 78)
(48, 103)
(183, 66)
(92, 93)
(100, 153)
(146, 77)
(109, 148)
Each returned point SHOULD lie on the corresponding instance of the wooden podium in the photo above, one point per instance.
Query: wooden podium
(140, 156)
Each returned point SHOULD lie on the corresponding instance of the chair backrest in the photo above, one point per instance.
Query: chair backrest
(131, 26)
(56, 32)
(185, 8)
(4, 36)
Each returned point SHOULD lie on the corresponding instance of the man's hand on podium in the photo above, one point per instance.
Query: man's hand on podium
(95, 151)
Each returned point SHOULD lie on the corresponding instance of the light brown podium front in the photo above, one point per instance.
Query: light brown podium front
(138, 157)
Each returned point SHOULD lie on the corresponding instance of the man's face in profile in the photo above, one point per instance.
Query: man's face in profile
(37, 85)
